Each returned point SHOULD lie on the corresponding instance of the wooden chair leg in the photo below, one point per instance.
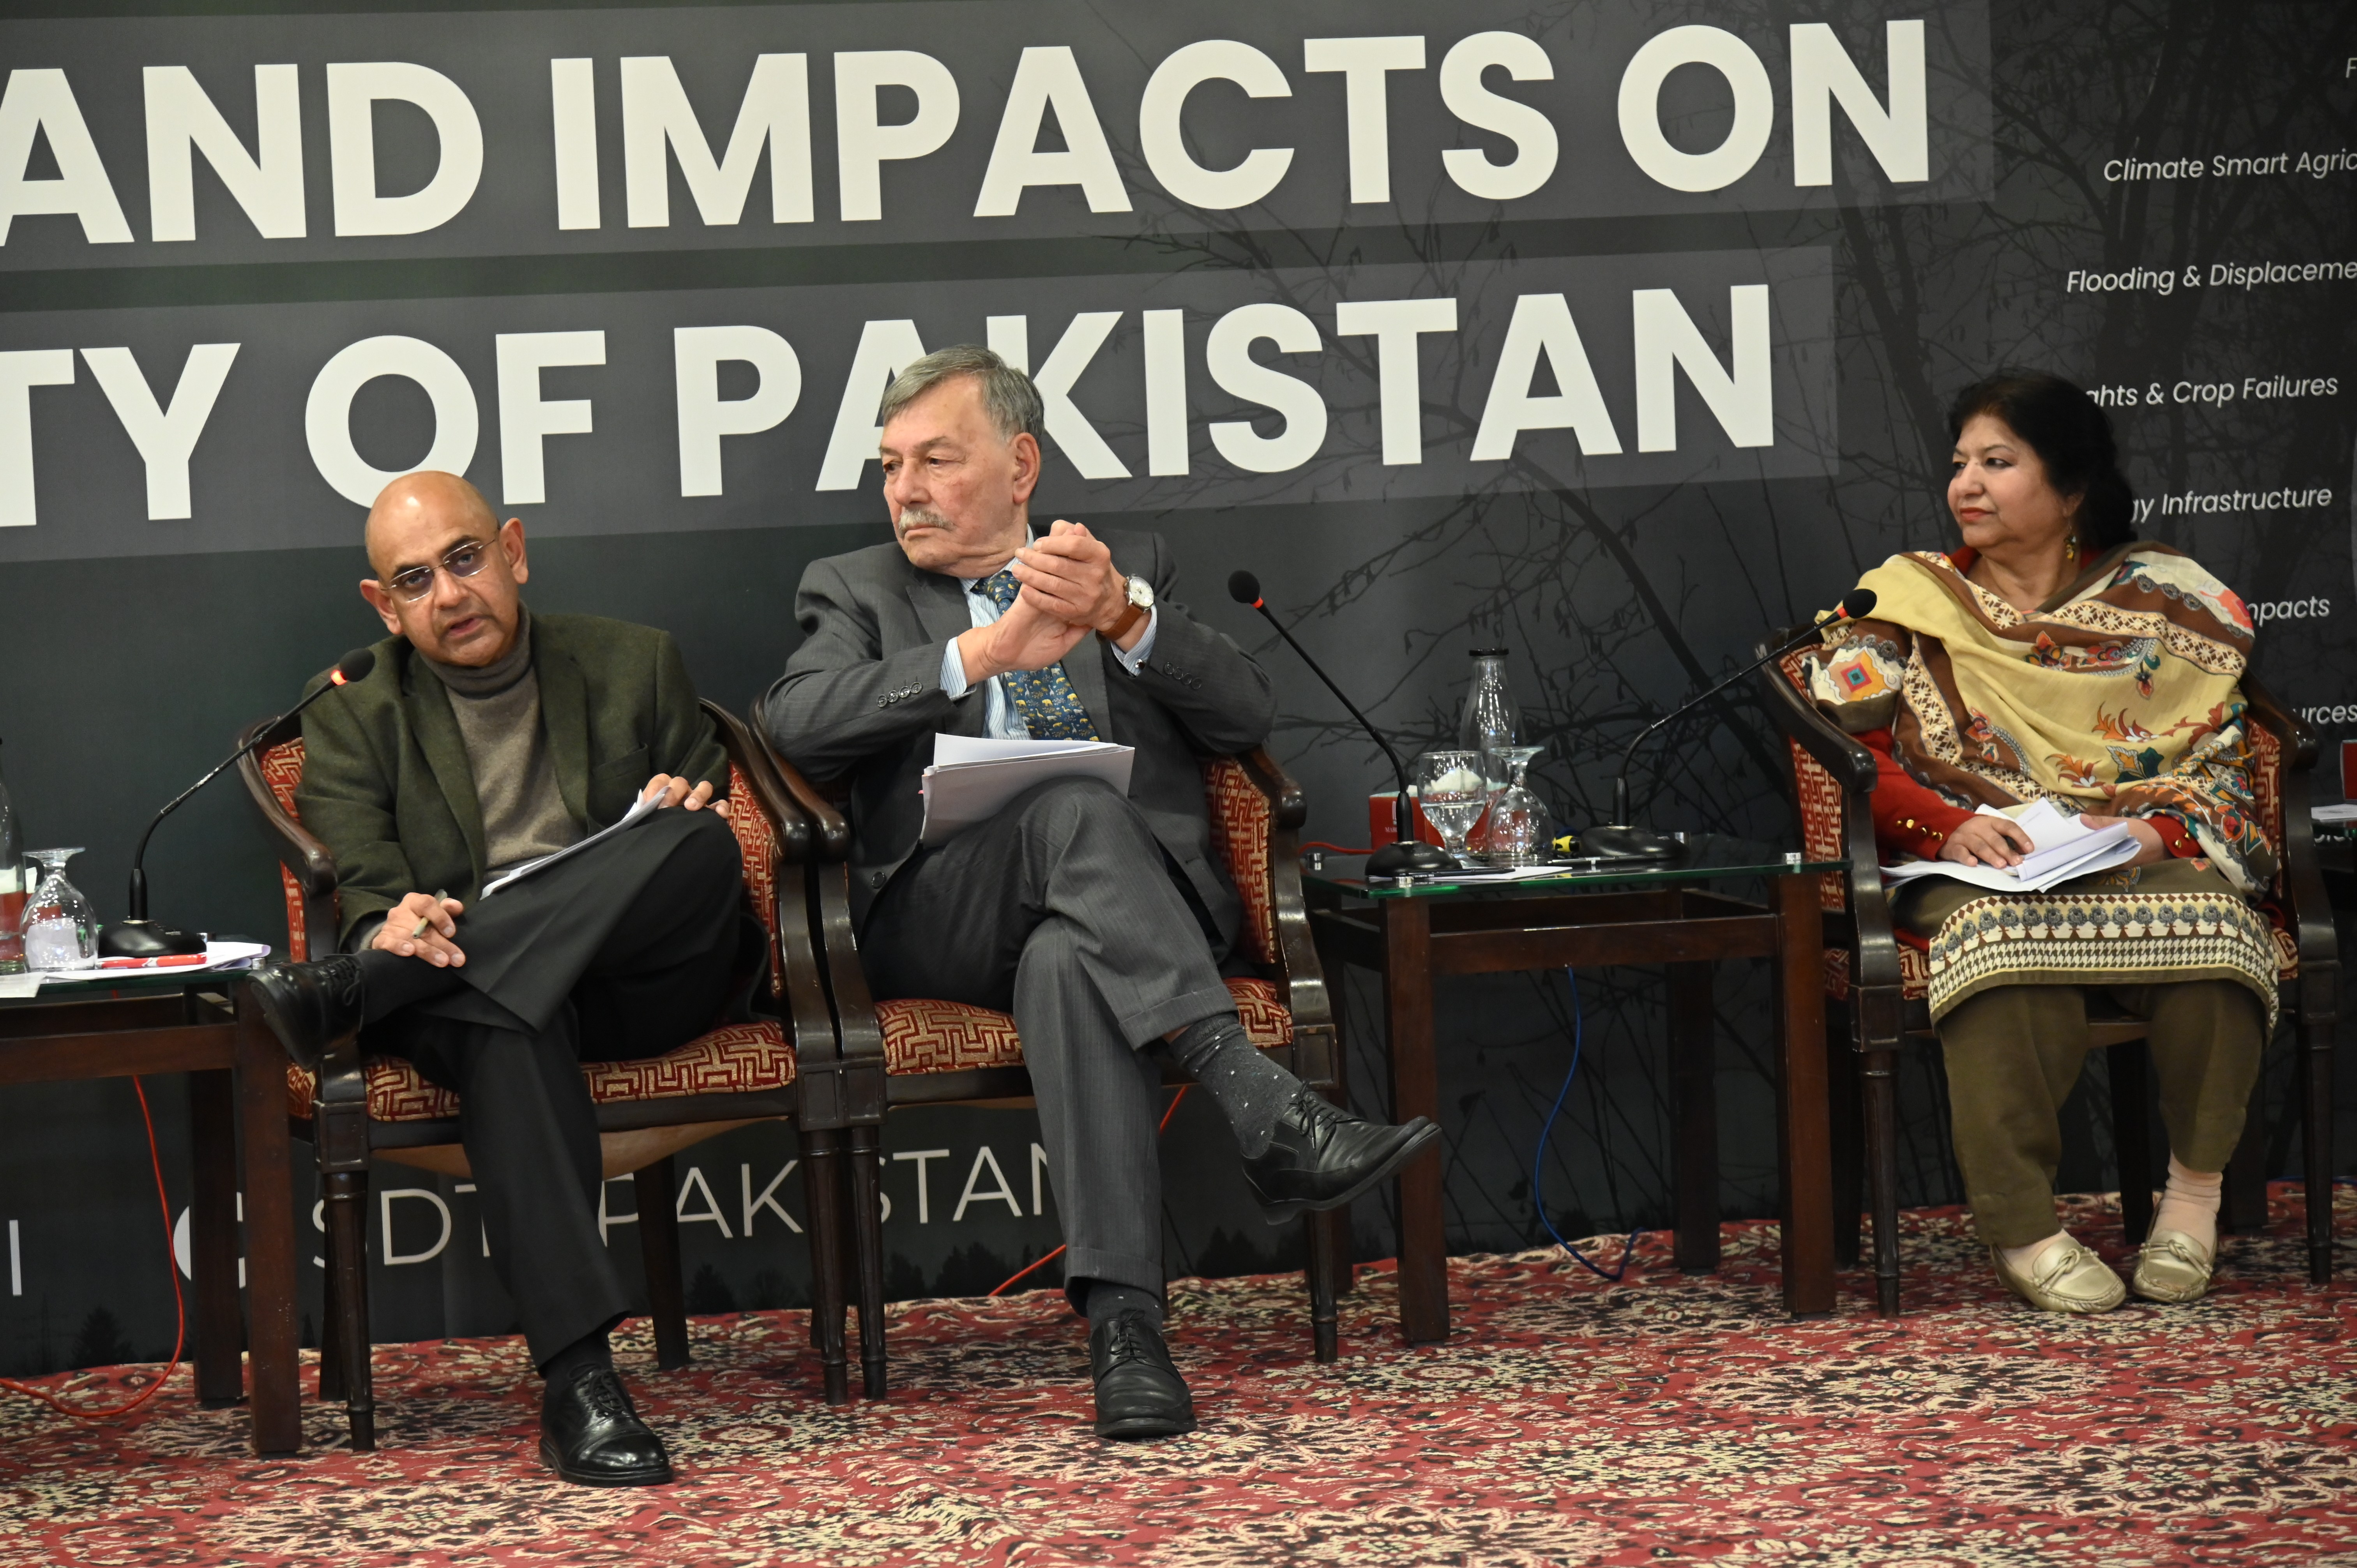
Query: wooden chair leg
(2131, 1070)
(657, 1189)
(1328, 1235)
(2245, 1210)
(823, 1202)
(1849, 1146)
(331, 1339)
(1879, 1078)
(867, 1243)
(347, 1200)
(2316, 1083)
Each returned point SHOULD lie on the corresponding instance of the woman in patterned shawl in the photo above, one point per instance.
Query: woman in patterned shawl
(2054, 657)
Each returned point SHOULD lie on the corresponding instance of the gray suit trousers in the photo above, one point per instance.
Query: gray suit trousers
(1063, 910)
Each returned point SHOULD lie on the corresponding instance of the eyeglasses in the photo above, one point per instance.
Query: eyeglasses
(463, 560)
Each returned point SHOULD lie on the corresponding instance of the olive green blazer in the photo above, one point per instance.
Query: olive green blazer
(385, 781)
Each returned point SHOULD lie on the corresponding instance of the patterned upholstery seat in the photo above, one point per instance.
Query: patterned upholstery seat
(736, 1058)
(933, 1036)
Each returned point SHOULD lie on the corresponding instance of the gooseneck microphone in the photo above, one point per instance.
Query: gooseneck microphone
(1619, 840)
(1405, 853)
(139, 936)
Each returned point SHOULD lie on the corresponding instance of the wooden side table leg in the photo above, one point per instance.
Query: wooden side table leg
(1804, 1146)
(1694, 1080)
(270, 1241)
(212, 1239)
(1416, 1091)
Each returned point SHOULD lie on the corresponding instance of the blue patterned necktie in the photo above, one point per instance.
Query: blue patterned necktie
(1050, 708)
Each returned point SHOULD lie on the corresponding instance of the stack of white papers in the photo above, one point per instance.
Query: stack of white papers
(2066, 847)
(972, 780)
(2344, 813)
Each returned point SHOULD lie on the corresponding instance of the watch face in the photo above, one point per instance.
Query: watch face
(1141, 593)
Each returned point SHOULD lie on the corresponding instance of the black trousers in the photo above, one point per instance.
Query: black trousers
(625, 951)
(1063, 910)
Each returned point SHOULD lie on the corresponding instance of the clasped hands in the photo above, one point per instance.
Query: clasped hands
(1069, 589)
(1984, 840)
(437, 944)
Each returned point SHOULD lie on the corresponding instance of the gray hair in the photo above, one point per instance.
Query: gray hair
(1007, 395)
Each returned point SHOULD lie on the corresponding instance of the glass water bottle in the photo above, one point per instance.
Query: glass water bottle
(1486, 729)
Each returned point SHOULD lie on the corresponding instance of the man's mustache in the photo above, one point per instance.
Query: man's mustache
(918, 517)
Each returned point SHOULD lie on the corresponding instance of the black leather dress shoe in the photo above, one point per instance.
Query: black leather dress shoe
(1139, 1392)
(1322, 1156)
(590, 1433)
(309, 1006)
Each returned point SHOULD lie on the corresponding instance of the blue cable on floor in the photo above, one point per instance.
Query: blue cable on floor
(1538, 1156)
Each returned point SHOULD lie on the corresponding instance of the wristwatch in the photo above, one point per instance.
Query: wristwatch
(1141, 600)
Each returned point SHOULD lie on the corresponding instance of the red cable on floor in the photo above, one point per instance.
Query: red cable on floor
(1332, 848)
(1043, 1262)
(179, 1302)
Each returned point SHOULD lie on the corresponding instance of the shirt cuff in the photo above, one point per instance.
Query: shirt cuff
(1134, 658)
(954, 681)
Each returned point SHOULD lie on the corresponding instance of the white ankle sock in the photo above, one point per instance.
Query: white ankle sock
(2190, 1204)
(2021, 1260)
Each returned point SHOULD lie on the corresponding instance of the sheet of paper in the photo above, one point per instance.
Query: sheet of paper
(19, 985)
(962, 750)
(640, 810)
(219, 956)
(981, 776)
(2344, 813)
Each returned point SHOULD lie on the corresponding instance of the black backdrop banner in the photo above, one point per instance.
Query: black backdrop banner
(1613, 332)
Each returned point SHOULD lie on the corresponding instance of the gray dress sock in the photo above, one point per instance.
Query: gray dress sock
(1108, 1300)
(1252, 1090)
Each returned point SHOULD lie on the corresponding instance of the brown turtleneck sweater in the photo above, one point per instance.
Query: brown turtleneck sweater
(498, 709)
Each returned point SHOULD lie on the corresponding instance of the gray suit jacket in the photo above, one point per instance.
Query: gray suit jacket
(863, 697)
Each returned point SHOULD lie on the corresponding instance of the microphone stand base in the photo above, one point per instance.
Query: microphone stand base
(147, 939)
(1621, 842)
(1401, 858)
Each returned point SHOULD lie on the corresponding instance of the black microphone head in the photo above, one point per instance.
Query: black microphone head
(356, 665)
(1857, 604)
(1244, 588)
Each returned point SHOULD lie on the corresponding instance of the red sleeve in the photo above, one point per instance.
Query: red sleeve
(1908, 818)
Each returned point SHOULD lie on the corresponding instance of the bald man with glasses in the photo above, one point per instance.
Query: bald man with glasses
(484, 738)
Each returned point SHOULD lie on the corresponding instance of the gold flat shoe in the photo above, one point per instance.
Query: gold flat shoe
(2066, 1277)
(2174, 1267)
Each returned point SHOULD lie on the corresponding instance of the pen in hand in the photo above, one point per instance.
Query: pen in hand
(418, 929)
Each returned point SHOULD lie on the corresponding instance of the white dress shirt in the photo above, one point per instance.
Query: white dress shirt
(1000, 720)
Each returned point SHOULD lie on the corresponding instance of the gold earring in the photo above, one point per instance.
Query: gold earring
(2072, 544)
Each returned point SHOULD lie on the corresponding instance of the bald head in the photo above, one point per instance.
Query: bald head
(428, 496)
(446, 569)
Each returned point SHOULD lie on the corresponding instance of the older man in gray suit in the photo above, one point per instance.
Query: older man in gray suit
(1100, 921)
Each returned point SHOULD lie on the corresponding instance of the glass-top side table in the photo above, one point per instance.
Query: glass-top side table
(1709, 857)
(1676, 913)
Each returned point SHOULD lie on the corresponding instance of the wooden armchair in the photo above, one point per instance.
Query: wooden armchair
(1886, 983)
(352, 1108)
(937, 1052)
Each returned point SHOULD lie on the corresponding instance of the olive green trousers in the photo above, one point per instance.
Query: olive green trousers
(2013, 1051)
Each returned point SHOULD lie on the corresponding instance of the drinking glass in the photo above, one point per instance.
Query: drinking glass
(1517, 824)
(1450, 789)
(60, 925)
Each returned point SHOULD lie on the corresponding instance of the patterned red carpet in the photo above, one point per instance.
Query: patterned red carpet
(1663, 1420)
